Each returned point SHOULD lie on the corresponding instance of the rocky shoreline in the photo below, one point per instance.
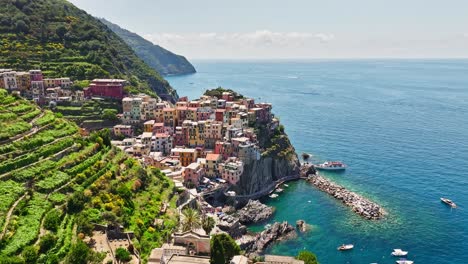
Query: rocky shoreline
(359, 204)
(254, 212)
(255, 245)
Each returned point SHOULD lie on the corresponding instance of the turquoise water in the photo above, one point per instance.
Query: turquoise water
(402, 128)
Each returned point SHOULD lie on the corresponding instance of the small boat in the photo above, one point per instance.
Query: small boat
(399, 253)
(267, 226)
(449, 202)
(285, 185)
(331, 166)
(279, 190)
(404, 261)
(346, 247)
(274, 195)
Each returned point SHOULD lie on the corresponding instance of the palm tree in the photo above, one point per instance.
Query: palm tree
(190, 219)
(208, 224)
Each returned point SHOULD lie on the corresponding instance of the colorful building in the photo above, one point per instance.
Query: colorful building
(185, 155)
(193, 173)
(110, 88)
(212, 165)
(123, 130)
(231, 170)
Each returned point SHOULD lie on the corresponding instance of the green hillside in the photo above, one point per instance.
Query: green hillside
(54, 183)
(63, 40)
(160, 59)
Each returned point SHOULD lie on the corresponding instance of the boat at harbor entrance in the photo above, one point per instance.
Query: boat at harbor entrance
(331, 166)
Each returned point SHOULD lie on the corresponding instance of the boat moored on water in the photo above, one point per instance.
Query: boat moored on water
(449, 202)
(404, 261)
(274, 195)
(346, 247)
(399, 253)
(331, 166)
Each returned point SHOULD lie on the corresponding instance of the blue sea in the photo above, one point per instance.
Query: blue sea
(400, 125)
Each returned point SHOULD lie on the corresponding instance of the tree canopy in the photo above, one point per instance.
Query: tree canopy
(225, 246)
(308, 257)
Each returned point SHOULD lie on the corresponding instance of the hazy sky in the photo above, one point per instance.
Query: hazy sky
(295, 28)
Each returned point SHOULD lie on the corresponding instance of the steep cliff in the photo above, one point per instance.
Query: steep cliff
(278, 160)
(160, 59)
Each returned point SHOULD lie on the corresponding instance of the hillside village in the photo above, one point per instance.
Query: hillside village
(199, 144)
(195, 141)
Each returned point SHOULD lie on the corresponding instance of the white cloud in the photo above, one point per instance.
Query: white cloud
(256, 38)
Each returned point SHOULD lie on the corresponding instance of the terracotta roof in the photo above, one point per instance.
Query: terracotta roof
(212, 156)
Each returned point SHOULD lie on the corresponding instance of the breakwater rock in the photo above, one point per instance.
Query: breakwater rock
(301, 225)
(255, 245)
(254, 212)
(359, 204)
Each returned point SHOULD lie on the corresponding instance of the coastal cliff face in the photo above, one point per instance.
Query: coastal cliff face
(160, 59)
(278, 160)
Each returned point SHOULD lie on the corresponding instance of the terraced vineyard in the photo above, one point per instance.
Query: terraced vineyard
(54, 184)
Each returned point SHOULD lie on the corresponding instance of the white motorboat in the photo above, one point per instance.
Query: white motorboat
(279, 190)
(331, 166)
(346, 247)
(404, 261)
(399, 253)
(449, 202)
(274, 195)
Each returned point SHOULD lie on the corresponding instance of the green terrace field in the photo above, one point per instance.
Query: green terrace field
(91, 111)
(55, 184)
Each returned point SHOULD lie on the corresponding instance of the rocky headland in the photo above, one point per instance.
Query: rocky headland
(278, 161)
(254, 212)
(359, 204)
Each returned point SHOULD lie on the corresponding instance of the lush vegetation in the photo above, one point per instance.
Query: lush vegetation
(91, 111)
(223, 249)
(160, 59)
(63, 40)
(218, 92)
(308, 257)
(55, 199)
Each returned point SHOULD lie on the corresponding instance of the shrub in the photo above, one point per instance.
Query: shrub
(52, 220)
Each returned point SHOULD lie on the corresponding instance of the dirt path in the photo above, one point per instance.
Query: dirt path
(7, 218)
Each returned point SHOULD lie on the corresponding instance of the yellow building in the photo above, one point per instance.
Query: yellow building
(195, 133)
(148, 126)
(169, 115)
(191, 114)
(23, 81)
(212, 165)
(186, 155)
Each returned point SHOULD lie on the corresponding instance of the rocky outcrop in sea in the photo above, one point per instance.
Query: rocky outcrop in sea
(301, 226)
(359, 204)
(254, 212)
(254, 245)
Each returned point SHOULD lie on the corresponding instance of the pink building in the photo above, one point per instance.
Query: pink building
(36, 75)
(193, 173)
(180, 136)
(111, 88)
(123, 130)
(223, 148)
(232, 170)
